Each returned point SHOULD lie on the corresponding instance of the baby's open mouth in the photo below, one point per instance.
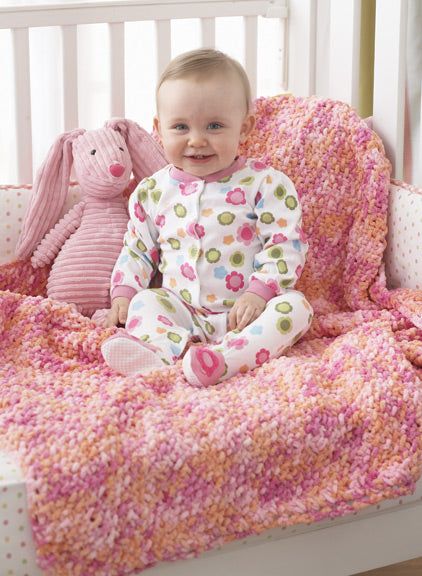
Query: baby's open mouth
(200, 156)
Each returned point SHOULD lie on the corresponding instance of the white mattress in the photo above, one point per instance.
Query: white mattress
(17, 552)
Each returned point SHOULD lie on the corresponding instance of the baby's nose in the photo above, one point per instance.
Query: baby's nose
(116, 169)
(197, 140)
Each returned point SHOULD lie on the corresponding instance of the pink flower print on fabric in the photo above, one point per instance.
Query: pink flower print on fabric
(278, 238)
(160, 220)
(164, 320)
(188, 272)
(238, 343)
(187, 188)
(258, 166)
(301, 233)
(195, 230)
(138, 281)
(118, 277)
(155, 255)
(258, 197)
(298, 271)
(246, 233)
(262, 356)
(133, 323)
(235, 281)
(208, 360)
(139, 212)
(236, 196)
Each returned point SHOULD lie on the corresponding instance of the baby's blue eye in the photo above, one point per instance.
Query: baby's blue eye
(214, 125)
(180, 127)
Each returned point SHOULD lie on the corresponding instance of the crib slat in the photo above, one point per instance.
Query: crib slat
(345, 51)
(117, 68)
(419, 162)
(70, 77)
(389, 78)
(302, 47)
(208, 32)
(23, 123)
(163, 43)
(251, 42)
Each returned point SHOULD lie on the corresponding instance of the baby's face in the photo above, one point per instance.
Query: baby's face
(202, 121)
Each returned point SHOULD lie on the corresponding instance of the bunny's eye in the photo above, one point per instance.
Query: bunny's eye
(120, 148)
(93, 152)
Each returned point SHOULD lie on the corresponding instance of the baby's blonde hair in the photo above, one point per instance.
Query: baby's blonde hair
(201, 62)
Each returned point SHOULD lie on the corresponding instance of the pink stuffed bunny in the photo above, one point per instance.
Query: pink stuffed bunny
(84, 245)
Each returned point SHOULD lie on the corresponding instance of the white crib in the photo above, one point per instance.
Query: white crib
(390, 532)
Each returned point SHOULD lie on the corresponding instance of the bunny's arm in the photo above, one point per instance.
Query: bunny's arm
(52, 242)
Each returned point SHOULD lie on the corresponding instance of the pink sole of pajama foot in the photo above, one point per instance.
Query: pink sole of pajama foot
(128, 356)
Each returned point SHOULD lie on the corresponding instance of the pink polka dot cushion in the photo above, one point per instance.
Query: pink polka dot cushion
(403, 256)
(14, 201)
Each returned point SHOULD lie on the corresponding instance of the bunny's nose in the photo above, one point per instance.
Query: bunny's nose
(116, 169)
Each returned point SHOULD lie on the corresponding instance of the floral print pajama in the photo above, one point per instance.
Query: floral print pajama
(213, 239)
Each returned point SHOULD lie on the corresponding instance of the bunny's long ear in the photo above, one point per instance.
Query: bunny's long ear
(49, 193)
(147, 155)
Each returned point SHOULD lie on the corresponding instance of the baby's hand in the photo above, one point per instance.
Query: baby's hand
(118, 311)
(246, 309)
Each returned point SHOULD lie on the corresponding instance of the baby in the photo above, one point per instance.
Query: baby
(224, 231)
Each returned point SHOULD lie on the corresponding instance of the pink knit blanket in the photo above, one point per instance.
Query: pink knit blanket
(125, 471)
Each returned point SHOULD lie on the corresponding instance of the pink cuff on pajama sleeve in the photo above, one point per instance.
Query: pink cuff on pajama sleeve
(261, 289)
(126, 291)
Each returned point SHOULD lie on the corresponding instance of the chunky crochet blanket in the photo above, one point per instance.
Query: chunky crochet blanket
(125, 471)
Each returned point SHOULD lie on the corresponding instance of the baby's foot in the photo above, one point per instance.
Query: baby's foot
(128, 355)
(202, 366)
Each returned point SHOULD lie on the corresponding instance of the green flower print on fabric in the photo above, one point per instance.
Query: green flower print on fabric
(142, 195)
(284, 307)
(275, 252)
(144, 338)
(229, 303)
(267, 218)
(225, 179)
(226, 218)
(174, 243)
(209, 328)
(213, 255)
(134, 254)
(282, 266)
(237, 258)
(180, 210)
(291, 202)
(286, 283)
(155, 196)
(186, 295)
(176, 338)
(141, 246)
(166, 304)
(194, 252)
(150, 183)
(160, 292)
(284, 325)
(247, 181)
(280, 192)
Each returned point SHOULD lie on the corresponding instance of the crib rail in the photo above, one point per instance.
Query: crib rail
(306, 62)
(68, 16)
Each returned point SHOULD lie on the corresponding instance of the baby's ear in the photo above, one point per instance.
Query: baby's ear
(156, 124)
(247, 126)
